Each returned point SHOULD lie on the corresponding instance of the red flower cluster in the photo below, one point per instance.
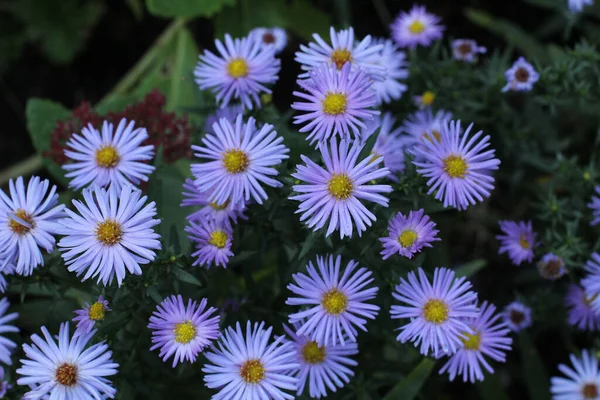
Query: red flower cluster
(166, 130)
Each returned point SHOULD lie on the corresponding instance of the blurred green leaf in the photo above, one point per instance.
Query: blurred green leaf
(471, 268)
(532, 368)
(186, 8)
(182, 88)
(491, 388)
(307, 19)
(185, 276)
(408, 388)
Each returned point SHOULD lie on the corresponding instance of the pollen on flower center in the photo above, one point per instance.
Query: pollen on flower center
(107, 157)
(471, 341)
(334, 302)
(416, 27)
(218, 239)
(341, 57)
(455, 166)
(237, 68)
(524, 242)
(312, 353)
(96, 312)
(589, 391)
(109, 232)
(516, 316)
(66, 374)
(252, 371)
(334, 103)
(435, 311)
(18, 227)
(427, 98)
(185, 332)
(340, 186)
(235, 161)
(522, 75)
(407, 238)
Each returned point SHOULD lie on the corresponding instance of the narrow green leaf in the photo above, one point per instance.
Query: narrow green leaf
(182, 88)
(308, 244)
(409, 387)
(532, 368)
(186, 8)
(185, 276)
(153, 293)
(471, 268)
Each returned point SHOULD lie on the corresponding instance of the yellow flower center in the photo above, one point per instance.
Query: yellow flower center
(185, 332)
(407, 238)
(312, 353)
(107, 157)
(66, 374)
(590, 391)
(524, 242)
(109, 232)
(435, 311)
(334, 302)
(96, 312)
(471, 342)
(427, 98)
(416, 27)
(17, 227)
(341, 57)
(219, 207)
(455, 166)
(218, 239)
(334, 103)
(340, 186)
(252, 371)
(235, 161)
(237, 68)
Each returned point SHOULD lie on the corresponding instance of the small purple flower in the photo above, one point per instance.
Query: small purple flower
(551, 267)
(594, 205)
(183, 331)
(582, 381)
(88, 316)
(193, 197)
(466, 50)
(437, 311)
(408, 234)
(240, 71)
(336, 103)
(336, 300)
(333, 193)
(458, 166)
(517, 316)
(229, 112)
(520, 77)
(581, 314)
(394, 62)
(518, 240)
(576, 6)
(591, 283)
(275, 37)
(213, 241)
(416, 27)
(424, 125)
(489, 338)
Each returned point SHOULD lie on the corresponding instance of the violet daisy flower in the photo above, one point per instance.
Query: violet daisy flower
(6, 345)
(518, 240)
(396, 66)
(183, 331)
(408, 234)
(112, 157)
(425, 125)
(193, 197)
(321, 367)
(275, 37)
(337, 103)
(245, 366)
(344, 50)
(551, 267)
(581, 314)
(61, 367)
(88, 316)
(582, 381)
(416, 27)
(576, 6)
(337, 305)
(489, 338)
(240, 158)
(333, 193)
(466, 50)
(458, 166)
(438, 311)
(591, 283)
(520, 77)
(4, 385)
(229, 112)
(213, 241)
(114, 234)
(240, 71)
(594, 205)
(517, 316)
(28, 221)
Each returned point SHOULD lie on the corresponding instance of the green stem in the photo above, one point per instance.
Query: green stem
(25, 167)
(383, 13)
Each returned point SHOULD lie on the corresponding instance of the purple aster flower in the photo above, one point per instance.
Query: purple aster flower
(333, 194)
(275, 37)
(6, 345)
(458, 167)
(416, 27)
(594, 205)
(518, 240)
(336, 304)
(321, 367)
(240, 158)
(517, 316)
(88, 316)
(396, 66)
(245, 366)
(582, 381)
(337, 103)
(551, 267)
(576, 6)
(520, 77)
(489, 338)
(193, 197)
(344, 50)
(180, 331)
(466, 50)
(114, 234)
(437, 311)
(213, 241)
(8, 269)
(4, 385)
(408, 234)
(28, 221)
(229, 112)
(591, 283)
(61, 367)
(581, 314)
(241, 71)
(425, 125)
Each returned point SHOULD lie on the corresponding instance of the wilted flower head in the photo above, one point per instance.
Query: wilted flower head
(275, 37)
(520, 77)
(517, 316)
(551, 267)
(416, 27)
(466, 50)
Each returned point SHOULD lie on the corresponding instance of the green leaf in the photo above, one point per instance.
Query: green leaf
(153, 293)
(185, 276)
(307, 19)
(471, 268)
(182, 88)
(532, 368)
(409, 387)
(186, 8)
(308, 244)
